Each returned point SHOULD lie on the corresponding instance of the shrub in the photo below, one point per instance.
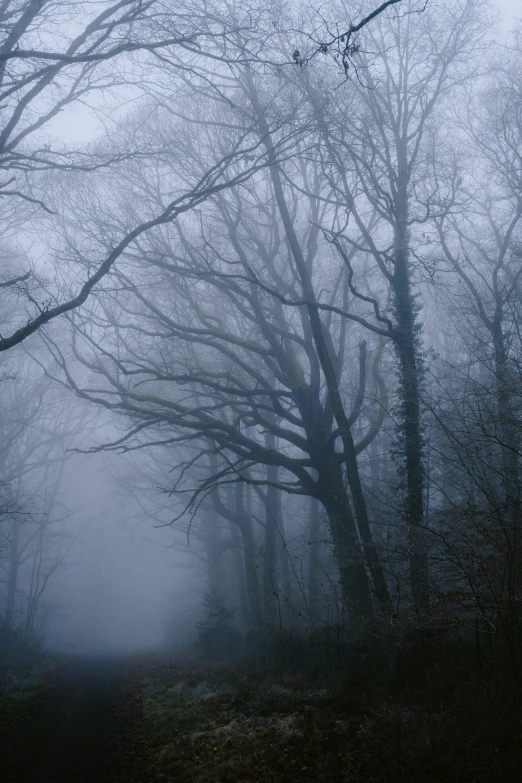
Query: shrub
(217, 637)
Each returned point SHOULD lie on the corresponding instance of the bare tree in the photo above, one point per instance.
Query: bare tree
(39, 79)
(479, 386)
(42, 75)
(35, 425)
(275, 378)
(379, 164)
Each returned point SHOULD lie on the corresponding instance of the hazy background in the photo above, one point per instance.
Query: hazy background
(122, 583)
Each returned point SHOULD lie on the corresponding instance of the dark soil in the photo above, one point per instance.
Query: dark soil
(86, 728)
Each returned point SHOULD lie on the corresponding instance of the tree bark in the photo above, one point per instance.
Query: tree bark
(270, 587)
(284, 566)
(355, 586)
(313, 562)
(244, 523)
(406, 340)
(214, 557)
(12, 581)
(239, 567)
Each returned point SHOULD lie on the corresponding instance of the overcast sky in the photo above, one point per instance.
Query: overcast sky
(511, 7)
(511, 10)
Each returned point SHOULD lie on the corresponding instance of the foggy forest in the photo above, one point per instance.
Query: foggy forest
(260, 391)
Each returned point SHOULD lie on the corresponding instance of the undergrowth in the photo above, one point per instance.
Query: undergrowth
(23, 685)
(232, 726)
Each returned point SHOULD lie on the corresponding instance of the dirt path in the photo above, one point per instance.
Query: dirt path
(87, 729)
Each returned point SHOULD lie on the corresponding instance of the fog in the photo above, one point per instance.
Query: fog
(118, 585)
(157, 449)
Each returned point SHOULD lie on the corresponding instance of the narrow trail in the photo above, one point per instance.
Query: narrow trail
(86, 730)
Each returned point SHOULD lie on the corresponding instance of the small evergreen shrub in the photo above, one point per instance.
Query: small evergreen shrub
(217, 637)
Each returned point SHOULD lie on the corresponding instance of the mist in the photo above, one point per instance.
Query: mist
(260, 387)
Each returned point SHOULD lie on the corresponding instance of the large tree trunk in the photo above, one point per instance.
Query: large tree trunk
(375, 468)
(506, 431)
(238, 558)
(12, 579)
(313, 562)
(285, 566)
(406, 344)
(361, 513)
(355, 586)
(234, 510)
(214, 556)
(270, 591)
(244, 522)
(507, 421)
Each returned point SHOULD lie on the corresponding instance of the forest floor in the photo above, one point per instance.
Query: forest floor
(149, 719)
(73, 721)
(212, 725)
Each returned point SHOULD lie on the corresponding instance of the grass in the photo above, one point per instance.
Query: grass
(231, 726)
(23, 686)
